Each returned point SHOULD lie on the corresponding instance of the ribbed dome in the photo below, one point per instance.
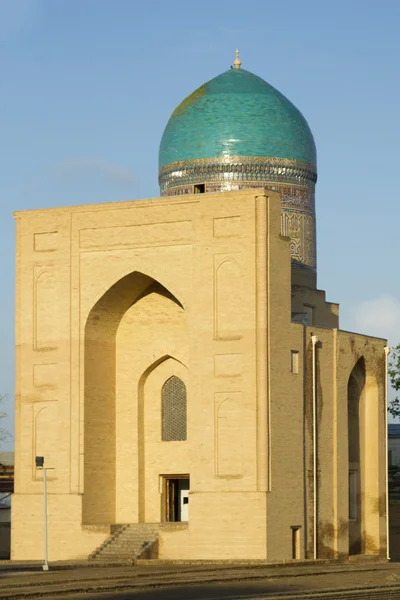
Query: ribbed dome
(237, 114)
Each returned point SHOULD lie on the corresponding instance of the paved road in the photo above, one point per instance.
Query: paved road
(348, 582)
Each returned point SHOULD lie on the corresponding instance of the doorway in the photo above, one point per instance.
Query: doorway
(176, 498)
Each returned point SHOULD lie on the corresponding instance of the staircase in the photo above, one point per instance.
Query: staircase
(128, 542)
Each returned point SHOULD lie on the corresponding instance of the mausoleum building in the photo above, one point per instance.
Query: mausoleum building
(178, 368)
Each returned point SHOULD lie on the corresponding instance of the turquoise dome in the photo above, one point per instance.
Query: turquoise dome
(237, 132)
(237, 114)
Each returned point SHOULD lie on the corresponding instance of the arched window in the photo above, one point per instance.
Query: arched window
(173, 402)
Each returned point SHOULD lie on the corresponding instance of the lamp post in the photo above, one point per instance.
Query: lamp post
(40, 466)
(387, 352)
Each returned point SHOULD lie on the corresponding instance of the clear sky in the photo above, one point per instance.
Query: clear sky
(87, 87)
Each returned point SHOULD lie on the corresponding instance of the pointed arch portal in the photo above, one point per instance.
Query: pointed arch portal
(363, 461)
(136, 310)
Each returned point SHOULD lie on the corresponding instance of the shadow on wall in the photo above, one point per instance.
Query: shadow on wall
(394, 531)
(5, 540)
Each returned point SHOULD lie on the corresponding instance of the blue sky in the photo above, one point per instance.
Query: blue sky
(87, 87)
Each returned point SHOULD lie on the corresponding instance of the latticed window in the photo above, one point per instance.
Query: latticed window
(174, 401)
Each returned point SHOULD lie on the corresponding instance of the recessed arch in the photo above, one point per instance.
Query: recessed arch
(100, 379)
(168, 366)
(156, 363)
(355, 401)
(363, 459)
(136, 283)
(158, 288)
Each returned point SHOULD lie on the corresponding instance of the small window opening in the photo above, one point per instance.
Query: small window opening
(295, 542)
(200, 188)
(294, 361)
(174, 410)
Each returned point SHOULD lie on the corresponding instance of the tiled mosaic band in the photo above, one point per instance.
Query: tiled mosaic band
(232, 169)
(294, 180)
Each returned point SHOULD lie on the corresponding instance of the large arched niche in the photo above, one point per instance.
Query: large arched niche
(115, 277)
(363, 460)
(110, 321)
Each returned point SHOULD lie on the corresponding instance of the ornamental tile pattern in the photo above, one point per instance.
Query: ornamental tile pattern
(294, 180)
(236, 168)
(174, 410)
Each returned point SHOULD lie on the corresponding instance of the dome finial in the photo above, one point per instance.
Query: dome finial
(237, 62)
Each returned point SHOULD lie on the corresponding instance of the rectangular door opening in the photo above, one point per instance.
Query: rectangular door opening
(176, 498)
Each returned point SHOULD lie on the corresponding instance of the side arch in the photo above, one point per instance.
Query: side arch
(363, 459)
(150, 385)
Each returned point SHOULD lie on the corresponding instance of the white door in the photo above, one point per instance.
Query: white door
(184, 499)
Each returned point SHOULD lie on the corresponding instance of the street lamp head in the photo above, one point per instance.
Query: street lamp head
(39, 462)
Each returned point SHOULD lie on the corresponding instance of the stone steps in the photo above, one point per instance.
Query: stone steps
(128, 542)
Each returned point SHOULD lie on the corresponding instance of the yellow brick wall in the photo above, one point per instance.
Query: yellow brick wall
(229, 525)
(112, 300)
(67, 539)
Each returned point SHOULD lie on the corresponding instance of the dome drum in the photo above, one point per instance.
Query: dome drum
(233, 174)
